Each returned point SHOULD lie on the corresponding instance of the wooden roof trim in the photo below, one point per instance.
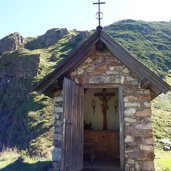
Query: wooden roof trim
(72, 61)
(133, 63)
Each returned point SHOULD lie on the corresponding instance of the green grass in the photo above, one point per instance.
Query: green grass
(8, 157)
(12, 160)
(163, 160)
(162, 128)
(162, 116)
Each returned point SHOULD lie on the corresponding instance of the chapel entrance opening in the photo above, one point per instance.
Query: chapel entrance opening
(101, 128)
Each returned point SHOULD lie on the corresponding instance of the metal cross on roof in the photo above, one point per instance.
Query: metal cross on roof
(99, 14)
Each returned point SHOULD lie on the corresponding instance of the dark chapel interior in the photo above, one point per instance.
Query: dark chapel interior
(101, 127)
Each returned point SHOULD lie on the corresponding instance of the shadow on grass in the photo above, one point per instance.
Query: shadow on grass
(19, 165)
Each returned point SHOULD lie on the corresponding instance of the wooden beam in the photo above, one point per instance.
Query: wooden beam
(104, 85)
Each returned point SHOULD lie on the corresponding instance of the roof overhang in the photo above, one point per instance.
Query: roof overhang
(149, 79)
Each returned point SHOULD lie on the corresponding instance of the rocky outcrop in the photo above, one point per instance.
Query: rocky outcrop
(11, 42)
(81, 36)
(16, 77)
(53, 35)
(48, 39)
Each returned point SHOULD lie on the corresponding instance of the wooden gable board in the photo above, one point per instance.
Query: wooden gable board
(157, 85)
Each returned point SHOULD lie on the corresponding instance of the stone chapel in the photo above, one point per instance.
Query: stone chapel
(102, 108)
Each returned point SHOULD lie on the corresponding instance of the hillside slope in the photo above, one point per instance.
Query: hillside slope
(150, 42)
(26, 118)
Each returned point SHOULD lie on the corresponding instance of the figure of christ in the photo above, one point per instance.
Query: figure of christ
(104, 97)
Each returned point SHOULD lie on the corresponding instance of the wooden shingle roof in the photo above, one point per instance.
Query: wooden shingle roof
(149, 79)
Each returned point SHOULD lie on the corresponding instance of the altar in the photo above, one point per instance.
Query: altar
(101, 145)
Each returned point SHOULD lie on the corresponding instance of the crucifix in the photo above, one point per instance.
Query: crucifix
(104, 97)
(99, 13)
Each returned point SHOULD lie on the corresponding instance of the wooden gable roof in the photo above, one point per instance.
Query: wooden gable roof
(149, 79)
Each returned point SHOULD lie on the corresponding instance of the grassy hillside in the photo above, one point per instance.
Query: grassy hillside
(148, 41)
(162, 116)
(26, 118)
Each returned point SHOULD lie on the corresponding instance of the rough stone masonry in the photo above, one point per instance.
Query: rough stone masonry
(104, 68)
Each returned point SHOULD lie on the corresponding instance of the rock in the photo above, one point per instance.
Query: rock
(53, 35)
(145, 98)
(144, 113)
(149, 148)
(130, 99)
(144, 126)
(167, 148)
(130, 120)
(112, 68)
(148, 166)
(125, 71)
(166, 142)
(56, 154)
(57, 116)
(48, 39)
(58, 109)
(147, 104)
(129, 79)
(137, 166)
(129, 111)
(130, 161)
(59, 98)
(148, 140)
(132, 104)
(59, 104)
(81, 36)
(58, 137)
(11, 42)
(128, 139)
(80, 71)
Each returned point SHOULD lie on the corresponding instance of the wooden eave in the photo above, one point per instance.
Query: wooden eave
(156, 84)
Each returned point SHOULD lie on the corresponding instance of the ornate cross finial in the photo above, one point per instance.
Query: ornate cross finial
(99, 13)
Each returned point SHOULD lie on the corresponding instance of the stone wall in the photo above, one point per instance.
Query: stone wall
(139, 149)
(58, 113)
(104, 68)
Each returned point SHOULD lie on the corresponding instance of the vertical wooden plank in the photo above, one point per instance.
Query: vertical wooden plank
(73, 131)
(77, 153)
(121, 120)
(66, 157)
(64, 138)
(74, 128)
(77, 126)
(81, 128)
